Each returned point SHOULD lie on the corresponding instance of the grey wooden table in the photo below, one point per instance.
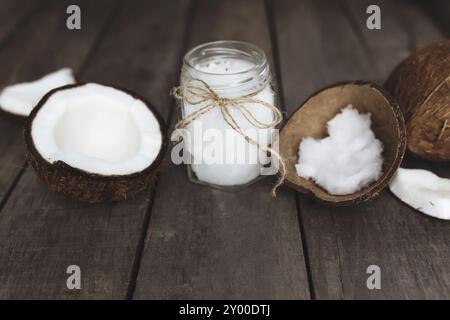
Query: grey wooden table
(178, 240)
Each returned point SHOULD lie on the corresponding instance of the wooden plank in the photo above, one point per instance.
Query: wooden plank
(208, 244)
(42, 233)
(439, 11)
(43, 44)
(13, 13)
(427, 252)
(317, 48)
(27, 56)
(411, 249)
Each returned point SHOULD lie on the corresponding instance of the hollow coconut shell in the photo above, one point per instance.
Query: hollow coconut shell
(421, 86)
(86, 186)
(311, 119)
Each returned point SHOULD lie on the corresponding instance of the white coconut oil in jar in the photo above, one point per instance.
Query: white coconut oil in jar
(219, 155)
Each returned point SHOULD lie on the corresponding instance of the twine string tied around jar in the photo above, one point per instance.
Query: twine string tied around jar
(197, 92)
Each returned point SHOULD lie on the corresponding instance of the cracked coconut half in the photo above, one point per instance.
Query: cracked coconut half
(95, 143)
(310, 123)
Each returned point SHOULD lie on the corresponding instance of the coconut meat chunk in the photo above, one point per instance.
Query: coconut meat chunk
(424, 191)
(97, 129)
(21, 98)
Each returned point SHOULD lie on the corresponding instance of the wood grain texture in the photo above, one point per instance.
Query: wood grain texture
(439, 11)
(12, 14)
(208, 244)
(202, 243)
(42, 233)
(411, 249)
(41, 45)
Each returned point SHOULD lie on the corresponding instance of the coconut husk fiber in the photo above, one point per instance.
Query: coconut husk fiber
(421, 86)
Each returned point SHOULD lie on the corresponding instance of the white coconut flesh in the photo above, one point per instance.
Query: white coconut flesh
(348, 159)
(424, 191)
(97, 129)
(21, 98)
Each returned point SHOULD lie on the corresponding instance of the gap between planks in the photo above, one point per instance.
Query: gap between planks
(78, 74)
(145, 226)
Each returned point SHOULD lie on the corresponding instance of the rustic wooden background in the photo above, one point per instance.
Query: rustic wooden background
(179, 240)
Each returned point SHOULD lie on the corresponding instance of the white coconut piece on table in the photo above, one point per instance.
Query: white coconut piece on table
(347, 160)
(20, 99)
(423, 190)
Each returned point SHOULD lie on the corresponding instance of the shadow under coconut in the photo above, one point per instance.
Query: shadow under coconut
(439, 168)
(311, 119)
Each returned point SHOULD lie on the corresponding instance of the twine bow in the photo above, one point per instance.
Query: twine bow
(196, 92)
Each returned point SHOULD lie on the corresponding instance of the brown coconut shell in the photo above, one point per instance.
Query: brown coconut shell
(311, 119)
(86, 186)
(421, 86)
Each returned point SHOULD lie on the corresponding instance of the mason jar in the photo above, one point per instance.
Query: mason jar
(236, 91)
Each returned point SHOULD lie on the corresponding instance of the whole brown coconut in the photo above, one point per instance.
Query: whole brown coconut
(79, 183)
(421, 86)
(311, 119)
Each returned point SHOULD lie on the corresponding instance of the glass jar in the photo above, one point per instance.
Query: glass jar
(219, 155)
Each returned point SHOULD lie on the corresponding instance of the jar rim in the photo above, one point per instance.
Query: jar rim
(245, 48)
